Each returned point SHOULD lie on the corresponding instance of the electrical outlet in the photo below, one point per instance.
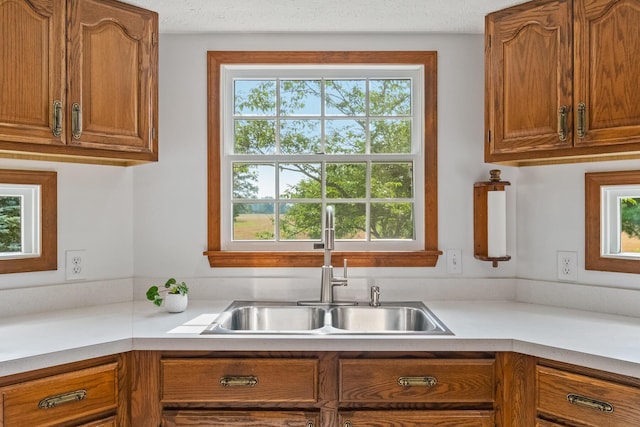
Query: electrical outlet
(454, 261)
(76, 263)
(567, 266)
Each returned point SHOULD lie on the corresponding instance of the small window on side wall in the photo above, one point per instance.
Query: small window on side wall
(28, 221)
(612, 220)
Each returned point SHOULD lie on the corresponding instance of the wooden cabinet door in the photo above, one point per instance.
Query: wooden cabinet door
(528, 79)
(196, 418)
(607, 65)
(393, 418)
(32, 71)
(112, 66)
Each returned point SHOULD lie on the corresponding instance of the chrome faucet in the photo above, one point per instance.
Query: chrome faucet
(328, 281)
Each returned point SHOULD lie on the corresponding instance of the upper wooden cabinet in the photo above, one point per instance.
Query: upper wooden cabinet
(561, 82)
(78, 80)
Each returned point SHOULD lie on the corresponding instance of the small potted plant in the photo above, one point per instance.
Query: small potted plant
(175, 298)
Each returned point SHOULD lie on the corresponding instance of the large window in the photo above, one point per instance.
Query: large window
(291, 133)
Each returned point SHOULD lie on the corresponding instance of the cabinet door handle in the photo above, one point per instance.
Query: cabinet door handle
(76, 120)
(582, 120)
(417, 381)
(59, 399)
(57, 118)
(587, 402)
(249, 381)
(563, 113)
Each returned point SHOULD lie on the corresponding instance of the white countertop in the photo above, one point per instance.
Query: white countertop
(595, 340)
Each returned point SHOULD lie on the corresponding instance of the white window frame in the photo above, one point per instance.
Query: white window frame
(611, 227)
(230, 72)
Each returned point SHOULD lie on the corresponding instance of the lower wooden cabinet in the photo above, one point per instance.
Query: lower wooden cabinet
(240, 419)
(392, 418)
(78, 397)
(569, 398)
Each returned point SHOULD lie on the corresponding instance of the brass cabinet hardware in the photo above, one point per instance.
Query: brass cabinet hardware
(417, 381)
(587, 402)
(76, 120)
(59, 399)
(249, 381)
(310, 424)
(563, 113)
(582, 120)
(347, 424)
(57, 118)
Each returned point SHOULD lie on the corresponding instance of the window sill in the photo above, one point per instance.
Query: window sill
(426, 258)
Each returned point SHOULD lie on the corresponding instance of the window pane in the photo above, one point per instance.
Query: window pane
(345, 136)
(254, 137)
(254, 97)
(299, 136)
(346, 180)
(300, 97)
(253, 181)
(351, 221)
(391, 180)
(300, 180)
(10, 224)
(345, 97)
(253, 221)
(630, 225)
(390, 97)
(390, 136)
(300, 221)
(392, 221)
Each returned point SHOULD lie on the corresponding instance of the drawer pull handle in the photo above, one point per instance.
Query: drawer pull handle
(53, 401)
(417, 381)
(238, 381)
(586, 402)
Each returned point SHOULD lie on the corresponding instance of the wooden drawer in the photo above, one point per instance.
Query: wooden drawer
(191, 418)
(555, 388)
(543, 423)
(25, 404)
(379, 380)
(417, 418)
(273, 380)
(107, 422)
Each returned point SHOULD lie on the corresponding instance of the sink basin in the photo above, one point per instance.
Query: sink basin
(270, 317)
(273, 317)
(388, 318)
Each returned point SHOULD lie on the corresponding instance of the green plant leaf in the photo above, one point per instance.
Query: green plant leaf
(152, 293)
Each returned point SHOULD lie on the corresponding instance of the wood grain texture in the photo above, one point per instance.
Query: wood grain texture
(240, 419)
(393, 418)
(515, 390)
(377, 380)
(553, 386)
(21, 400)
(530, 75)
(144, 374)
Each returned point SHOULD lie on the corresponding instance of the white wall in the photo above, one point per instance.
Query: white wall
(95, 213)
(551, 215)
(170, 196)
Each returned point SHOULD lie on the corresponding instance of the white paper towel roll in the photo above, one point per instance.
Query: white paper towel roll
(496, 224)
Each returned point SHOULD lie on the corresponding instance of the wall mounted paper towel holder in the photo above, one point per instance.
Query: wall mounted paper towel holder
(489, 219)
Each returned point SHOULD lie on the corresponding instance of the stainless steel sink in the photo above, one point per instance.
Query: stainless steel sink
(263, 317)
(409, 317)
(271, 317)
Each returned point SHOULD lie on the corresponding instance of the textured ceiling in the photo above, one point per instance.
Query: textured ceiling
(433, 16)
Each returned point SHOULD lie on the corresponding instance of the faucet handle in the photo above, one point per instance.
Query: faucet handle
(344, 273)
(318, 246)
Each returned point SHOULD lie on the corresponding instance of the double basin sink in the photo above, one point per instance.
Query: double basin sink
(269, 317)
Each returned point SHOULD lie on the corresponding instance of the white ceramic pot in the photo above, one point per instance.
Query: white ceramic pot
(176, 303)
